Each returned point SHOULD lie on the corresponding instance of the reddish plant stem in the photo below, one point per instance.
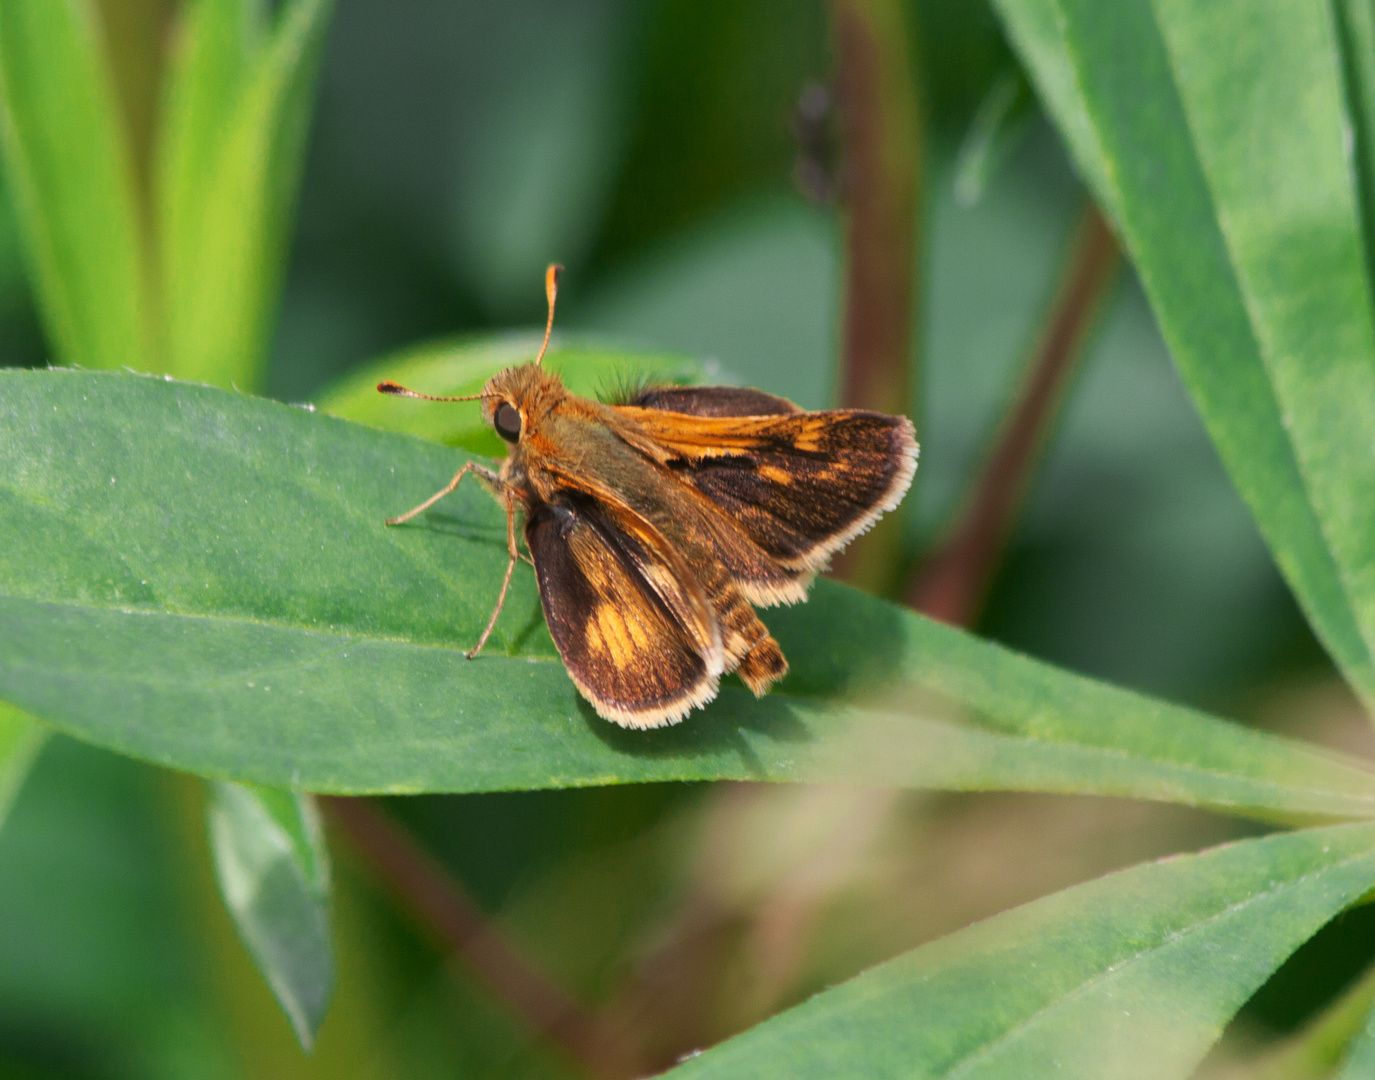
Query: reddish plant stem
(444, 908)
(877, 106)
(879, 182)
(952, 583)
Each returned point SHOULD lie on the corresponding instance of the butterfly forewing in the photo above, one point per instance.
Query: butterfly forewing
(801, 484)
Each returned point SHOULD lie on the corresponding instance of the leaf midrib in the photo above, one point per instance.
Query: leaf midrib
(815, 701)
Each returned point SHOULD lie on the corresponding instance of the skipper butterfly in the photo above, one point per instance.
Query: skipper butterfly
(656, 525)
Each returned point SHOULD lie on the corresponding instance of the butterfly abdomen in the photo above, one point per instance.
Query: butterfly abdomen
(762, 666)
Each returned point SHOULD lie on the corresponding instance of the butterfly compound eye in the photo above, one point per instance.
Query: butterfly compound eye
(507, 422)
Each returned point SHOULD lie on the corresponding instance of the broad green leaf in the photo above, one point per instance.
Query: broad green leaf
(1225, 171)
(1132, 975)
(236, 123)
(68, 167)
(454, 368)
(203, 579)
(21, 737)
(273, 871)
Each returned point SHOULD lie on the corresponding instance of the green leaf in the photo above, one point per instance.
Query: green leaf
(1132, 975)
(203, 579)
(1356, 34)
(457, 367)
(1359, 1060)
(1240, 212)
(236, 120)
(1037, 30)
(993, 134)
(211, 60)
(1324, 1043)
(273, 871)
(68, 166)
(21, 738)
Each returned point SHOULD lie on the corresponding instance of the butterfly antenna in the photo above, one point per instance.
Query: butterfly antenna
(551, 292)
(400, 391)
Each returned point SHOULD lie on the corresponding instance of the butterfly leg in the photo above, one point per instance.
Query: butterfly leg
(472, 466)
(505, 581)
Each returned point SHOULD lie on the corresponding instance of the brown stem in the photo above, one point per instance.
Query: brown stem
(952, 583)
(442, 905)
(880, 177)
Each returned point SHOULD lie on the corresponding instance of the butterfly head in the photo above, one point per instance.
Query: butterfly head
(515, 399)
(512, 398)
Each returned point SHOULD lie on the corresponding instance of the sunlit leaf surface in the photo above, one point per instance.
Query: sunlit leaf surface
(21, 738)
(1132, 975)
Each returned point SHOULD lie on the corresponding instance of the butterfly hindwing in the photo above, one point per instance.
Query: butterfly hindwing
(801, 484)
(631, 626)
(712, 401)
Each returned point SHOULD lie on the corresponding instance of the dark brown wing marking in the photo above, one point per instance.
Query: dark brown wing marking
(712, 401)
(802, 485)
(627, 626)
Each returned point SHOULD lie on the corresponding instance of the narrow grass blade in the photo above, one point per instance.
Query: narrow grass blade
(68, 167)
(237, 118)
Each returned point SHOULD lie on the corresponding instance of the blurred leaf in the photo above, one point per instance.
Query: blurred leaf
(1037, 31)
(1132, 975)
(1359, 1060)
(454, 368)
(98, 961)
(203, 579)
(1241, 215)
(211, 60)
(993, 133)
(21, 738)
(237, 117)
(68, 166)
(1321, 1047)
(718, 80)
(753, 292)
(273, 872)
(542, 142)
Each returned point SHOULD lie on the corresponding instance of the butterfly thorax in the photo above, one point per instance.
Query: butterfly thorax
(561, 434)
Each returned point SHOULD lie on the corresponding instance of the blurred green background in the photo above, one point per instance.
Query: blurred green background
(457, 147)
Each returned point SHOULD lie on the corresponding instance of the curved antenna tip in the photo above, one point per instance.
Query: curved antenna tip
(551, 293)
(396, 389)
